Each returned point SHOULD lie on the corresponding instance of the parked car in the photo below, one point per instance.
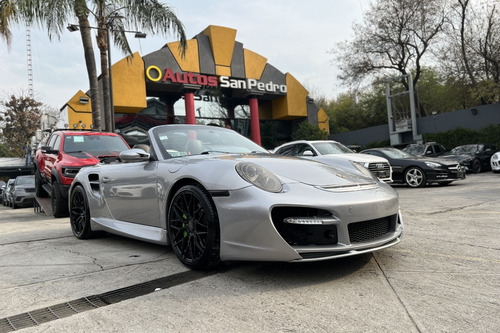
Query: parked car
(475, 157)
(64, 154)
(329, 151)
(23, 192)
(429, 149)
(495, 162)
(419, 171)
(6, 192)
(2, 188)
(214, 195)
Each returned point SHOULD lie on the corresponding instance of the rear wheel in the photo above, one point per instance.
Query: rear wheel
(59, 204)
(79, 216)
(415, 177)
(193, 228)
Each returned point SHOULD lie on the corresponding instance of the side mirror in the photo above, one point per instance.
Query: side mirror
(49, 150)
(134, 155)
(307, 153)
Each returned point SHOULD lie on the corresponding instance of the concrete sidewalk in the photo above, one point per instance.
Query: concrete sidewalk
(443, 277)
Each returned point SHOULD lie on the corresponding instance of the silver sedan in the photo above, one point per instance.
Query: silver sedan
(214, 195)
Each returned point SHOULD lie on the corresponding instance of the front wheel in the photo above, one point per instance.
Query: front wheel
(415, 177)
(193, 228)
(476, 166)
(79, 216)
(59, 204)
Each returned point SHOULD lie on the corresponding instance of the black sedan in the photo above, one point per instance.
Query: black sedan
(475, 157)
(419, 171)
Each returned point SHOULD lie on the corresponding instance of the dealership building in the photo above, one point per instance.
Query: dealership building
(165, 87)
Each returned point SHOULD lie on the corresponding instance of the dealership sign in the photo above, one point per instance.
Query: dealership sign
(154, 74)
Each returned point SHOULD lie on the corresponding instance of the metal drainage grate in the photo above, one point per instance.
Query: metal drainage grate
(40, 316)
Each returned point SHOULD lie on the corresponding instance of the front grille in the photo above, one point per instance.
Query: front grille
(370, 230)
(455, 168)
(380, 170)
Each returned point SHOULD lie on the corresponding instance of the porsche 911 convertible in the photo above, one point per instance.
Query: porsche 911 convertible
(214, 195)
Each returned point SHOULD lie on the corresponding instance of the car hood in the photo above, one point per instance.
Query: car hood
(291, 169)
(440, 159)
(357, 157)
(459, 158)
(24, 186)
(84, 158)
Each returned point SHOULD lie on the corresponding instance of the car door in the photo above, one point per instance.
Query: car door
(131, 193)
(50, 155)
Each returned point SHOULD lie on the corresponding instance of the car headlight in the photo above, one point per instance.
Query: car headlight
(259, 176)
(433, 165)
(361, 168)
(70, 172)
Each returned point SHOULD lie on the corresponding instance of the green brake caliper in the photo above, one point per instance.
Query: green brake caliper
(184, 216)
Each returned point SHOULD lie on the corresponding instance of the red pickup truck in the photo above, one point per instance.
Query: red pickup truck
(64, 153)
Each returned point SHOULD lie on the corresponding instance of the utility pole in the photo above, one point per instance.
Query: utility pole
(30, 68)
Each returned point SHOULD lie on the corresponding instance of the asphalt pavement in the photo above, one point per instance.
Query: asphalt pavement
(443, 277)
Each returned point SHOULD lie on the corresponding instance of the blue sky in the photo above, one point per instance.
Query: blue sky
(294, 35)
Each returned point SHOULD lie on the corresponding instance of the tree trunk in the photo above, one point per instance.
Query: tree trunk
(103, 44)
(91, 71)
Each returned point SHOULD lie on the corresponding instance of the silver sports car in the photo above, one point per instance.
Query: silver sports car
(214, 195)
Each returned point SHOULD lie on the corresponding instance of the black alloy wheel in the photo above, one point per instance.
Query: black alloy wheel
(79, 216)
(193, 228)
(415, 177)
(59, 204)
(476, 166)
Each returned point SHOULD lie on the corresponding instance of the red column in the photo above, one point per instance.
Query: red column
(254, 119)
(189, 104)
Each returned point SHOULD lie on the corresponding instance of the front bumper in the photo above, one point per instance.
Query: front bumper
(251, 230)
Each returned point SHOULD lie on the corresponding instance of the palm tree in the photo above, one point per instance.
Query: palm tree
(145, 15)
(7, 13)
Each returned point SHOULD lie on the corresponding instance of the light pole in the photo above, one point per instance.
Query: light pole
(138, 34)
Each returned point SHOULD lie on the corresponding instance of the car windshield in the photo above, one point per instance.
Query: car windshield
(329, 147)
(30, 180)
(185, 140)
(415, 149)
(94, 144)
(464, 149)
(396, 153)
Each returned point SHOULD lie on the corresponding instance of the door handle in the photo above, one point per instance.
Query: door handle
(105, 179)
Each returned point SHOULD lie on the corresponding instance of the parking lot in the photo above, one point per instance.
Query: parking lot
(443, 277)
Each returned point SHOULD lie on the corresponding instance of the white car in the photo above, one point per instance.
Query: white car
(329, 151)
(495, 162)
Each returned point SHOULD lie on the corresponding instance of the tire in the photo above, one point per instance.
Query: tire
(415, 177)
(59, 205)
(476, 166)
(39, 191)
(193, 228)
(79, 216)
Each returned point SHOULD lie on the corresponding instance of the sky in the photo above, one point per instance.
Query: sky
(294, 35)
